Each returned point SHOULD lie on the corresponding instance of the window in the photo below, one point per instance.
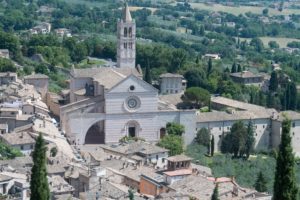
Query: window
(156, 157)
(163, 160)
(176, 91)
(263, 126)
(130, 32)
(132, 87)
(22, 147)
(130, 45)
(125, 32)
(220, 128)
(294, 124)
(125, 45)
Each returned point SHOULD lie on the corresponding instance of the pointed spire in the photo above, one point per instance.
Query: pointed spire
(126, 14)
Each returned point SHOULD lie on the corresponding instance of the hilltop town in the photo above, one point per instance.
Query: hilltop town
(148, 100)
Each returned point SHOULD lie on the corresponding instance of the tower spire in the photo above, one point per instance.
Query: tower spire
(126, 14)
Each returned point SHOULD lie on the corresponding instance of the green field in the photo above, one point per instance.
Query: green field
(242, 9)
(281, 41)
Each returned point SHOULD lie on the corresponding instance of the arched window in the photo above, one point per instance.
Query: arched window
(125, 32)
(130, 32)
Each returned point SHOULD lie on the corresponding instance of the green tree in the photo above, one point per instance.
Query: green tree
(273, 45)
(239, 69)
(148, 77)
(39, 184)
(285, 186)
(209, 67)
(6, 65)
(203, 137)
(273, 82)
(289, 102)
(250, 140)
(212, 146)
(130, 194)
(235, 141)
(260, 183)
(233, 68)
(174, 129)
(265, 11)
(174, 143)
(257, 44)
(215, 195)
(197, 95)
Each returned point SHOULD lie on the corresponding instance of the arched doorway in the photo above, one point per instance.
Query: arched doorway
(95, 134)
(162, 133)
(133, 128)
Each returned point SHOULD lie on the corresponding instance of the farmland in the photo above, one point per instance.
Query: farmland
(237, 10)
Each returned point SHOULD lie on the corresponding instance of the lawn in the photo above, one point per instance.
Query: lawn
(242, 9)
(87, 63)
(280, 40)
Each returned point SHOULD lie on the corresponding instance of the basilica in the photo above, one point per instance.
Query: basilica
(108, 103)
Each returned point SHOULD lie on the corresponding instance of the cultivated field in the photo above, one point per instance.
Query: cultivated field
(242, 9)
(132, 8)
(281, 41)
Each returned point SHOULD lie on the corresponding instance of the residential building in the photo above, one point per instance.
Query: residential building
(21, 140)
(7, 77)
(248, 78)
(4, 53)
(40, 83)
(172, 83)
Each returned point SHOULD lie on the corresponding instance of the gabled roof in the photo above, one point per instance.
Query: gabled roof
(137, 80)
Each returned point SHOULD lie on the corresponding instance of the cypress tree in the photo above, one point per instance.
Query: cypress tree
(233, 68)
(197, 60)
(215, 195)
(273, 82)
(39, 183)
(260, 183)
(148, 77)
(130, 194)
(239, 69)
(212, 146)
(285, 186)
(209, 67)
(250, 140)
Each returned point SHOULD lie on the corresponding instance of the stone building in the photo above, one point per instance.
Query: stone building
(40, 82)
(4, 53)
(108, 103)
(172, 83)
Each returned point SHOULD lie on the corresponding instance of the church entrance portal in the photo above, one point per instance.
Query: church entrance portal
(133, 128)
(162, 133)
(131, 131)
(95, 134)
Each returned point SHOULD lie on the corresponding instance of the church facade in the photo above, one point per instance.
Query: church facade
(108, 103)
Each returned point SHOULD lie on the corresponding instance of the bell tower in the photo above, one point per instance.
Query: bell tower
(126, 40)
